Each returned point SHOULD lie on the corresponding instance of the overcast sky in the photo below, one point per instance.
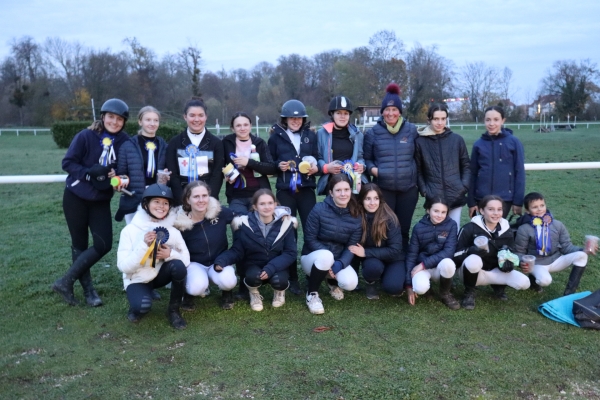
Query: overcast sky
(527, 36)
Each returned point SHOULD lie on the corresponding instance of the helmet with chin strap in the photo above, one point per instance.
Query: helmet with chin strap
(340, 103)
(115, 106)
(156, 190)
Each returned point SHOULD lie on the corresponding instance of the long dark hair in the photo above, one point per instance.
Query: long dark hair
(352, 204)
(382, 217)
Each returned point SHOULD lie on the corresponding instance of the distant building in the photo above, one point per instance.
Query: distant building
(367, 115)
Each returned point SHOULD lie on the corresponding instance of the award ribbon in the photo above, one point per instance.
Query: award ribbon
(192, 151)
(150, 147)
(296, 181)
(162, 236)
(108, 152)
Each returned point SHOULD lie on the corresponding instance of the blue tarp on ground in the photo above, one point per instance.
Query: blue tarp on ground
(561, 309)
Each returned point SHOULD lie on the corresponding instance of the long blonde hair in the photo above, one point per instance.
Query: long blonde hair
(145, 110)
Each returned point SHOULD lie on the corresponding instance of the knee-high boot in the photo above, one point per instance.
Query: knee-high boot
(470, 281)
(446, 296)
(64, 285)
(499, 292)
(173, 312)
(574, 278)
(315, 279)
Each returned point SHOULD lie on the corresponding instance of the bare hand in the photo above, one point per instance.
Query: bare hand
(334, 168)
(284, 166)
(331, 274)
(524, 267)
(163, 252)
(593, 251)
(359, 168)
(112, 173)
(124, 183)
(240, 161)
(375, 171)
(417, 269)
(472, 211)
(149, 238)
(412, 296)
(313, 170)
(357, 250)
(264, 276)
(218, 268)
(517, 210)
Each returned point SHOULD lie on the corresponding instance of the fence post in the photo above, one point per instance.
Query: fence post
(17, 132)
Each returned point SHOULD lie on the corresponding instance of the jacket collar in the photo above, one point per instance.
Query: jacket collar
(143, 221)
(478, 220)
(184, 223)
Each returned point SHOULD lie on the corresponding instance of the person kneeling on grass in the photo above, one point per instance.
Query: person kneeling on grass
(484, 251)
(547, 239)
(332, 226)
(265, 239)
(151, 254)
(430, 252)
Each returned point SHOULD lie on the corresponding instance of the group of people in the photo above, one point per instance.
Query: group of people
(176, 228)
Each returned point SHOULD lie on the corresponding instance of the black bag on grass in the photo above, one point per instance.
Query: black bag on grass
(587, 311)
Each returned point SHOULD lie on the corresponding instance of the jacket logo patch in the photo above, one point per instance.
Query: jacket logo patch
(404, 140)
(443, 235)
(306, 140)
(390, 102)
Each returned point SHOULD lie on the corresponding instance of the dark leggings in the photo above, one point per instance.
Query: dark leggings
(279, 281)
(83, 214)
(301, 203)
(403, 204)
(140, 294)
(392, 274)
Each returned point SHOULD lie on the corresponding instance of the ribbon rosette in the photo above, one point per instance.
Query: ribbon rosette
(296, 181)
(348, 169)
(108, 153)
(240, 181)
(192, 151)
(162, 237)
(150, 147)
(543, 241)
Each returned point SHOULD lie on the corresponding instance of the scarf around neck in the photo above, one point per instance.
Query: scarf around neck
(543, 243)
(394, 129)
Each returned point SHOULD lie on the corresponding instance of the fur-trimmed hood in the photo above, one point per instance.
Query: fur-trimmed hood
(184, 223)
(144, 221)
(283, 213)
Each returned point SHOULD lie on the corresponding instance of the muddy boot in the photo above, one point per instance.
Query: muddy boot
(533, 285)
(64, 285)
(470, 281)
(188, 302)
(91, 296)
(574, 278)
(371, 291)
(445, 295)
(499, 292)
(227, 300)
(242, 294)
(173, 313)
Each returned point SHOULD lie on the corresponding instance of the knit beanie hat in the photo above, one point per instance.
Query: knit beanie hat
(392, 97)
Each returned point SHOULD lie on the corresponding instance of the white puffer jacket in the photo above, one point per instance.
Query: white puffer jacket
(132, 247)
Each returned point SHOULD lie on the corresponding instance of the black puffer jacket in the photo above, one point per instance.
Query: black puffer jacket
(130, 162)
(214, 177)
(390, 248)
(265, 166)
(272, 253)
(282, 149)
(443, 166)
(430, 244)
(329, 227)
(503, 236)
(393, 155)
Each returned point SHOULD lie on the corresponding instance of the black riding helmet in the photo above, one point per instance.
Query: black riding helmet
(295, 109)
(340, 103)
(156, 190)
(115, 106)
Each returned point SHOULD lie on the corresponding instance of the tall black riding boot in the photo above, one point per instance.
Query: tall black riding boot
(470, 281)
(446, 296)
(242, 293)
(64, 285)
(227, 300)
(188, 302)
(314, 280)
(499, 292)
(574, 278)
(294, 283)
(173, 313)
(533, 284)
(90, 294)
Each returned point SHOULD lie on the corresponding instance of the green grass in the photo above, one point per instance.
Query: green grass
(374, 350)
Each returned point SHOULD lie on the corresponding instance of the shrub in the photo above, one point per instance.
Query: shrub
(63, 132)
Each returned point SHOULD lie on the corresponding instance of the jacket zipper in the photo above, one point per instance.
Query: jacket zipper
(207, 244)
(442, 166)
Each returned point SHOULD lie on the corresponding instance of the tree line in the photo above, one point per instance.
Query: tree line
(56, 80)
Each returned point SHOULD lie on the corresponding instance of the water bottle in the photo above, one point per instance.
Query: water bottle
(256, 157)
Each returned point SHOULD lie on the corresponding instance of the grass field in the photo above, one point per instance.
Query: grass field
(374, 350)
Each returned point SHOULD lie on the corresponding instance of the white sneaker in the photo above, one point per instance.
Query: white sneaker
(206, 292)
(336, 292)
(278, 298)
(314, 303)
(256, 301)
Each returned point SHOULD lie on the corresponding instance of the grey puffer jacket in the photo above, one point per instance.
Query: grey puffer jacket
(393, 155)
(559, 238)
(130, 162)
(329, 227)
(443, 166)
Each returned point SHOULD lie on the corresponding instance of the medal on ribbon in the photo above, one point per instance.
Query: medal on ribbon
(151, 169)
(239, 180)
(192, 151)
(348, 169)
(108, 153)
(296, 181)
(162, 236)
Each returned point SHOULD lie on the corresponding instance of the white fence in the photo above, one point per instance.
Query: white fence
(528, 167)
(23, 130)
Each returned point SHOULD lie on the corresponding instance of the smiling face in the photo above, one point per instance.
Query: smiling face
(158, 207)
(341, 118)
(371, 201)
(294, 123)
(196, 119)
(113, 123)
(265, 205)
(493, 122)
(537, 208)
(492, 213)
(438, 122)
(391, 115)
(199, 199)
(437, 213)
(242, 128)
(149, 123)
(341, 193)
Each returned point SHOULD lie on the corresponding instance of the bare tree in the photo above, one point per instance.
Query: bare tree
(142, 62)
(190, 59)
(478, 82)
(65, 60)
(386, 59)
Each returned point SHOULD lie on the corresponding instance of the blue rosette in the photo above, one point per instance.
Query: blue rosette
(162, 235)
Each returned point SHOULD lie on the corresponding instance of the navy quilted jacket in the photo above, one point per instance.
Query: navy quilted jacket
(430, 244)
(329, 227)
(393, 155)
